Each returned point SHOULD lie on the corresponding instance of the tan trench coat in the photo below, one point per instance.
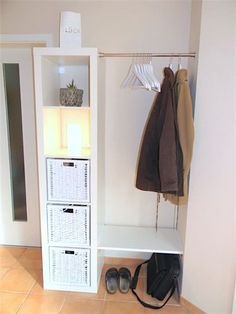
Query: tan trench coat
(186, 131)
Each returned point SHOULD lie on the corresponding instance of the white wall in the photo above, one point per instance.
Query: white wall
(234, 300)
(210, 251)
(158, 26)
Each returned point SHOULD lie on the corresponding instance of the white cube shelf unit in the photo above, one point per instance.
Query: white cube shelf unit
(72, 243)
(67, 162)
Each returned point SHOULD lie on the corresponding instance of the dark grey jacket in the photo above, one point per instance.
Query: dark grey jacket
(160, 166)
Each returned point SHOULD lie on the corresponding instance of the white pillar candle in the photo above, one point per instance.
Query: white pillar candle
(74, 139)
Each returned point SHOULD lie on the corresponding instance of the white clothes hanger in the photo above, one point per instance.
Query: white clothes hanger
(171, 63)
(179, 63)
(140, 72)
(135, 77)
(131, 77)
(148, 73)
(141, 75)
(156, 83)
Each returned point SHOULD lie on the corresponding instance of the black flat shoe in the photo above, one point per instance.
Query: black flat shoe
(124, 279)
(111, 279)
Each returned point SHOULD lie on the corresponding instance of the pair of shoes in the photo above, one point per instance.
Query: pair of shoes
(118, 279)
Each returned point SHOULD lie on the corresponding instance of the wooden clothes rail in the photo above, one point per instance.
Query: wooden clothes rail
(146, 54)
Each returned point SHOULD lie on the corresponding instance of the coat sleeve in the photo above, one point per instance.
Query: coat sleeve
(186, 137)
(167, 150)
(185, 124)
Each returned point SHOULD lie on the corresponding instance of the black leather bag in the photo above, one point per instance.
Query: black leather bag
(163, 271)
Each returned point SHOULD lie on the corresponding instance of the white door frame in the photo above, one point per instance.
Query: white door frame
(18, 41)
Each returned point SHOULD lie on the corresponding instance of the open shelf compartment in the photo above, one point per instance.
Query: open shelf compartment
(59, 68)
(139, 239)
(66, 131)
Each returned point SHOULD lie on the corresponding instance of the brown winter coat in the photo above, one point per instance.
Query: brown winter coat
(186, 130)
(160, 166)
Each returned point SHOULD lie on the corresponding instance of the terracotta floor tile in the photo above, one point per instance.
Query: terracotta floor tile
(168, 309)
(37, 274)
(3, 271)
(28, 263)
(10, 302)
(11, 251)
(32, 253)
(31, 259)
(100, 295)
(7, 261)
(9, 256)
(121, 297)
(17, 280)
(112, 307)
(38, 289)
(190, 308)
(36, 304)
(84, 306)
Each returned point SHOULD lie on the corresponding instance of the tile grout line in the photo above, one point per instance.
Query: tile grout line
(19, 306)
(25, 249)
(26, 296)
(9, 268)
(104, 298)
(63, 303)
(14, 264)
(103, 306)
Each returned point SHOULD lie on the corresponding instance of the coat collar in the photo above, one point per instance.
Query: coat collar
(169, 74)
(181, 76)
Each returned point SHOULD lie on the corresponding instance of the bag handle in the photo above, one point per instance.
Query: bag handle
(134, 285)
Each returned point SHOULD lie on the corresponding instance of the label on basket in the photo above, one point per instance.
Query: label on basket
(68, 210)
(69, 252)
(68, 164)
